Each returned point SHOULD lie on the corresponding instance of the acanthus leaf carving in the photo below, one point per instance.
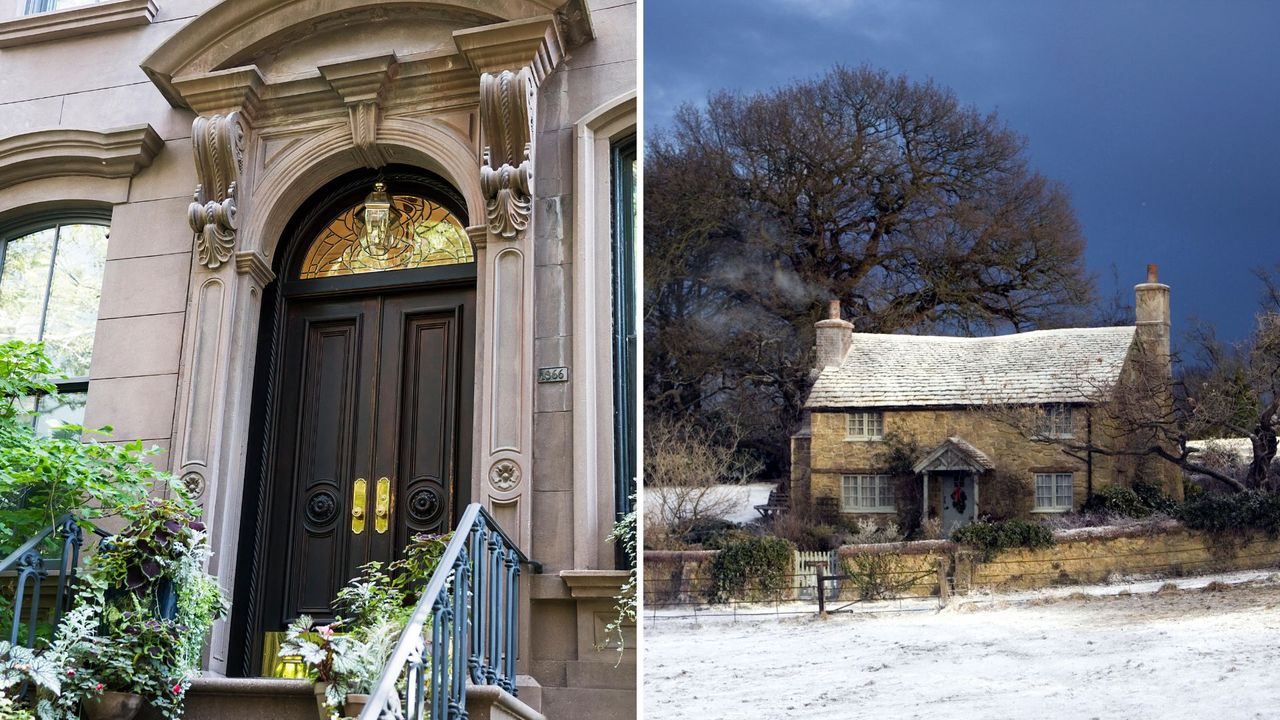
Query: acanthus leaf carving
(218, 143)
(508, 198)
(506, 175)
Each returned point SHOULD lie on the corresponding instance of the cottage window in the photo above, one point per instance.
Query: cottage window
(1054, 492)
(625, 374)
(50, 283)
(867, 494)
(1055, 422)
(867, 425)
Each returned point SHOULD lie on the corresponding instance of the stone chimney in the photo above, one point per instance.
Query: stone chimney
(834, 337)
(1151, 306)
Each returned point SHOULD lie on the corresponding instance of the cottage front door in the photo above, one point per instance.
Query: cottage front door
(959, 501)
(367, 397)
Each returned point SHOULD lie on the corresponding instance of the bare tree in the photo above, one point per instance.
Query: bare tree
(686, 471)
(917, 212)
(1230, 392)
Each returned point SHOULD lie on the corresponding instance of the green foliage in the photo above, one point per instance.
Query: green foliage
(387, 592)
(989, 538)
(373, 609)
(1140, 501)
(43, 478)
(1119, 500)
(881, 576)
(1233, 514)
(624, 533)
(898, 454)
(751, 569)
(116, 637)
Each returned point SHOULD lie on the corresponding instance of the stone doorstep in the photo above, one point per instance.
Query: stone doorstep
(221, 698)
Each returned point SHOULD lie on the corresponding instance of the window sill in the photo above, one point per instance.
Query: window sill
(1050, 511)
(868, 511)
(866, 438)
(72, 22)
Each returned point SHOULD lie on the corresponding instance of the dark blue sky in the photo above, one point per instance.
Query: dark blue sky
(1160, 116)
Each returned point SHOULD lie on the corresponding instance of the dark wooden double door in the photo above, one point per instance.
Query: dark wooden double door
(371, 433)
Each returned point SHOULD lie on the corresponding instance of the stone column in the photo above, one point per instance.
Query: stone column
(511, 59)
(215, 385)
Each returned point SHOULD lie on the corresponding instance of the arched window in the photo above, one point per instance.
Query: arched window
(387, 232)
(50, 284)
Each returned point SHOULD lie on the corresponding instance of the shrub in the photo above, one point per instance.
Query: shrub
(1233, 514)
(706, 531)
(1117, 500)
(881, 576)
(806, 531)
(751, 569)
(990, 538)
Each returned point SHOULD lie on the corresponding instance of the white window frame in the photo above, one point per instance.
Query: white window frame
(864, 425)
(1056, 421)
(1060, 499)
(855, 487)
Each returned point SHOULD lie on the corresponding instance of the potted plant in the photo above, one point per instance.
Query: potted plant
(21, 668)
(140, 622)
(347, 657)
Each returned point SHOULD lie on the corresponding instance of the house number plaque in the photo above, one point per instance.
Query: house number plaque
(553, 375)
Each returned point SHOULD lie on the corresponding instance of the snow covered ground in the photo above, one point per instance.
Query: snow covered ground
(1117, 651)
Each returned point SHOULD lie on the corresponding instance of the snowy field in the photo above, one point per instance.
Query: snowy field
(1085, 652)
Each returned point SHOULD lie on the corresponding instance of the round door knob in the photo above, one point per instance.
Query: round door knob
(357, 512)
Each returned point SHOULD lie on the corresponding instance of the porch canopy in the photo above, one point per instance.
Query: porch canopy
(954, 454)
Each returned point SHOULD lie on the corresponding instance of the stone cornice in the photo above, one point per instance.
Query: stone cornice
(217, 38)
(31, 29)
(118, 153)
(252, 264)
(224, 91)
(534, 43)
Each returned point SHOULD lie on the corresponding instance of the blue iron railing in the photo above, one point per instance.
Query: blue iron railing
(463, 630)
(31, 564)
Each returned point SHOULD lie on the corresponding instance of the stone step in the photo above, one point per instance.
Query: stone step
(219, 698)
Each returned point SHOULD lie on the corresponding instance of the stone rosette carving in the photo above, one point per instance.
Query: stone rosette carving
(504, 475)
(506, 175)
(194, 484)
(218, 142)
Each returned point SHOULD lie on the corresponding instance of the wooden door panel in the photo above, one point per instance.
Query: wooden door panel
(428, 406)
(325, 424)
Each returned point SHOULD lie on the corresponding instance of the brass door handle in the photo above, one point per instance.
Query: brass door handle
(382, 510)
(359, 489)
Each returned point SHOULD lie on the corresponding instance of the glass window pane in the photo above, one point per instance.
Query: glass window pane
(23, 283)
(54, 411)
(73, 297)
(387, 232)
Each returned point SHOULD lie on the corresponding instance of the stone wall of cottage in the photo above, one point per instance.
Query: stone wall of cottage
(1006, 491)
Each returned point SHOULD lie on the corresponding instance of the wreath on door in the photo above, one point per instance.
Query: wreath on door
(959, 499)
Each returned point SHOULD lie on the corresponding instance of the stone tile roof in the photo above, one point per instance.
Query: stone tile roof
(1043, 366)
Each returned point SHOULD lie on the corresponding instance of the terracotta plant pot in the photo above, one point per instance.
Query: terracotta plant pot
(320, 689)
(355, 704)
(113, 706)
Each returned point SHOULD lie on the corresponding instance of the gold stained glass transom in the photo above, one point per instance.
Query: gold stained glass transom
(413, 232)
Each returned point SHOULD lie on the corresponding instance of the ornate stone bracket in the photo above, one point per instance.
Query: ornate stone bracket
(363, 85)
(506, 176)
(218, 142)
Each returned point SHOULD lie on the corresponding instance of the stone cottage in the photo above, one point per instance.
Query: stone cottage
(344, 259)
(951, 429)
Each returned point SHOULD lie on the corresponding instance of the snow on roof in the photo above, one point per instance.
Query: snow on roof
(1241, 448)
(1044, 366)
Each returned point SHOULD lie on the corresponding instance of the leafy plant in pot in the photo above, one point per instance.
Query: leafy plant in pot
(348, 655)
(140, 621)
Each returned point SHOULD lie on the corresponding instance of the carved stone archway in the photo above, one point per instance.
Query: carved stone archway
(264, 144)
